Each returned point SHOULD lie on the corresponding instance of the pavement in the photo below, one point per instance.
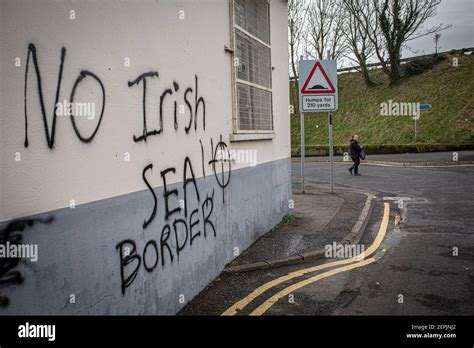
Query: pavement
(428, 158)
(318, 219)
(419, 251)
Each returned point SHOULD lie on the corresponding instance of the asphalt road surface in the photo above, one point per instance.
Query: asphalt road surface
(419, 248)
(428, 265)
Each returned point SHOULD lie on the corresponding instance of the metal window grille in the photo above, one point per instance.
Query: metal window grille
(252, 62)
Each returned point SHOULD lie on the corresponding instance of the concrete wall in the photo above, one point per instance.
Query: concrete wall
(83, 197)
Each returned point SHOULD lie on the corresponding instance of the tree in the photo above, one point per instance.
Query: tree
(390, 24)
(401, 21)
(357, 37)
(364, 11)
(296, 21)
(436, 38)
(325, 24)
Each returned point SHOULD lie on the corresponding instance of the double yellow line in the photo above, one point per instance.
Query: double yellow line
(354, 262)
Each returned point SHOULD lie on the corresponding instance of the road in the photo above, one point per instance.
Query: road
(419, 253)
(419, 273)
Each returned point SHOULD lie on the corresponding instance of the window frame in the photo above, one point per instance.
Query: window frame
(244, 134)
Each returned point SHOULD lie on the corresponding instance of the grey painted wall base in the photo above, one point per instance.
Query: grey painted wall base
(78, 258)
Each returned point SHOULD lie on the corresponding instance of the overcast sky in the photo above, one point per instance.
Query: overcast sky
(459, 13)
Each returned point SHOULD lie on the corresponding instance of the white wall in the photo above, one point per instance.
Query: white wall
(100, 37)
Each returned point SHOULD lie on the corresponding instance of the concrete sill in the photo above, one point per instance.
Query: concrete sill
(251, 136)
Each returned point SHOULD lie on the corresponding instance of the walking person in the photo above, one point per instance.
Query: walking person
(355, 149)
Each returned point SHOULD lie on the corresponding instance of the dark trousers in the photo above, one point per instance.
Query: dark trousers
(355, 166)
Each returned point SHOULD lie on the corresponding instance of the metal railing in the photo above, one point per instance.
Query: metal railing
(404, 60)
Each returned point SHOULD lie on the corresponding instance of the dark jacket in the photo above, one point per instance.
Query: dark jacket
(355, 149)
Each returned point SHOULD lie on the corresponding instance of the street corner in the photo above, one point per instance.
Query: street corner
(172, 169)
(318, 220)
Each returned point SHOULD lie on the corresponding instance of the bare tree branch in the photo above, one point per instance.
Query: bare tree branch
(401, 21)
(325, 29)
(357, 36)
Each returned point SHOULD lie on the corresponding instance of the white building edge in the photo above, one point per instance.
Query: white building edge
(129, 220)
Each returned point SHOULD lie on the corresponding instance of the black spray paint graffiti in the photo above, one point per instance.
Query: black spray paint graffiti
(81, 77)
(50, 134)
(12, 234)
(193, 113)
(147, 222)
(143, 78)
(222, 178)
(182, 232)
(183, 225)
(221, 155)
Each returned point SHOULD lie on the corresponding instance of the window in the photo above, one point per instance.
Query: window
(252, 67)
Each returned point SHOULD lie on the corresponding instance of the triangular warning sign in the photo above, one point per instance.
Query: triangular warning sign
(318, 82)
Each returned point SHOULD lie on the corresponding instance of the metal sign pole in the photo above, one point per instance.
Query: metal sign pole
(317, 93)
(420, 107)
(302, 151)
(331, 157)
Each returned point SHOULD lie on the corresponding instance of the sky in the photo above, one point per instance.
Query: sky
(459, 13)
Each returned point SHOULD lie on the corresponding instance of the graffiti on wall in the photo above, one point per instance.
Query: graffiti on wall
(199, 103)
(51, 133)
(177, 223)
(183, 224)
(11, 236)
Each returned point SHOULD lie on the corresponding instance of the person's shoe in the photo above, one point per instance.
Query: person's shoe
(358, 174)
(350, 171)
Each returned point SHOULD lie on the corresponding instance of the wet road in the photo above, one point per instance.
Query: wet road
(419, 259)
(429, 260)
